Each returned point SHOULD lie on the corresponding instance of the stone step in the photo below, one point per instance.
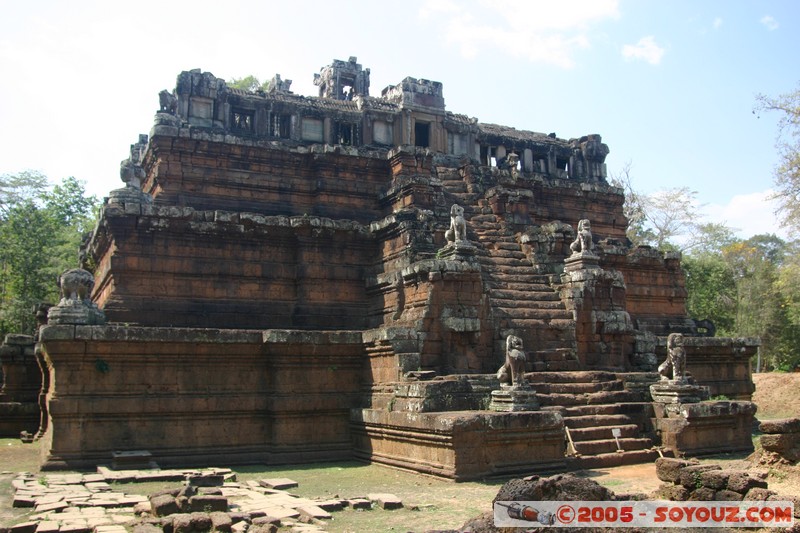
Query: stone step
(632, 408)
(556, 366)
(505, 253)
(519, 281)
(627, 431)
(526, 312)
(608, 460)
(535, 292)
(602, 398)
(596, 447)
(485, 218)
(586, 376)
(519, 287)
(589, 421)
(507, 262)
(511, 246)
(578, 388)
(543, 302)
(555, 325)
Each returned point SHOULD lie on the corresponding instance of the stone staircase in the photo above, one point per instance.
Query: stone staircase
(593, 403)
(522, 301)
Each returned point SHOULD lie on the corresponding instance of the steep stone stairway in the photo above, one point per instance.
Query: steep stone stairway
(593, 405)
(522, 301)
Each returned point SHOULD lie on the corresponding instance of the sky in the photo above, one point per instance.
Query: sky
(670, 85)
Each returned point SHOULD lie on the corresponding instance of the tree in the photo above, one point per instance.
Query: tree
(671, 213)
(633, 208)
(787, 173)
(40, 236)
(248, 83)
(760, 310)
(711, 289)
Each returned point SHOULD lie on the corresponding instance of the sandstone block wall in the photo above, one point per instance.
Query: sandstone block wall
(192, 396)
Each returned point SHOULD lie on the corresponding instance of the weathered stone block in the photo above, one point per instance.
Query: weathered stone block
(784, 425)
(208, 504)
(164, 505)
(727, 496)
(669, 469)
(703, 494)
(221, 521)
(690, 475)
(778, 442)
(758, 494)
(742, 482)
(714, 479)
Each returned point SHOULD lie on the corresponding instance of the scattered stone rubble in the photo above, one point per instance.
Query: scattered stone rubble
(208, 500)
(691, 481)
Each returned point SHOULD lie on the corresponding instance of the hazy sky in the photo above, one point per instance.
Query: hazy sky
(670, 85)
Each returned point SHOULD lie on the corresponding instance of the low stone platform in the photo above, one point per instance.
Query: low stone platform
(461, 445)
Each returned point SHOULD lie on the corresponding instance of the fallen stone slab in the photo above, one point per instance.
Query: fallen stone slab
(309, 512)
(78, 526)
(386, 501)
(93, 478)
(278, 483)
(205, 480)
(112, 528)
(47, 526)
(50, 507)
(98, 486)
(23, 501)
(24, 527)
(330, 505)
(358, 503)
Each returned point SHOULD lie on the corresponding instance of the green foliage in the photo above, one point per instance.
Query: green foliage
(40, 234)
(711, 291)
(248, 83)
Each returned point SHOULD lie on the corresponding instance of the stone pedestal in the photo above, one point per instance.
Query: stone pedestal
(512, 398)
(689, 425)
(581, 261)
(678, 392)
(461, 250)
(79, 312)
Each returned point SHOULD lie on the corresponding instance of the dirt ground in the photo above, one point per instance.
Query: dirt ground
(777, 395)
(430, 502)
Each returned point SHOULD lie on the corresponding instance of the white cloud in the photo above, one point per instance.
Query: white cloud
(717, 23)
(547, 33)
(750, 214)
(769, 22)
(646, 50)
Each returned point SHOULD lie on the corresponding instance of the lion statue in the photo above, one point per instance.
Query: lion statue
(458, 225)
(168, 102)
(583, 242)
(675, 365)
(513, 370)
(76, 285)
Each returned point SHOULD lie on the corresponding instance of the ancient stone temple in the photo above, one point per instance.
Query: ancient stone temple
(287, 278)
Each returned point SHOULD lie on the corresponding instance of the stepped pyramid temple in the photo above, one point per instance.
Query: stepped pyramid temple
(289, 279)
